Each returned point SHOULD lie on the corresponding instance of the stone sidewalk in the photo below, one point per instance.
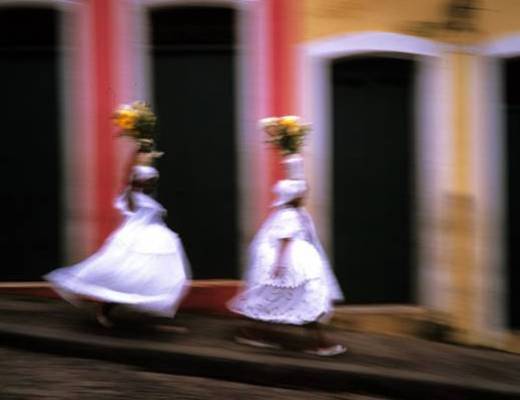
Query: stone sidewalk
(391, 366)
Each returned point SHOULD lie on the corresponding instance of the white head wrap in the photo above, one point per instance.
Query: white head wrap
(287, 190)
(293, 166)
(144, 172)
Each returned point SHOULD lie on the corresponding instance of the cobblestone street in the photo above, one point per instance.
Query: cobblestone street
(51, 350)
(26, 376)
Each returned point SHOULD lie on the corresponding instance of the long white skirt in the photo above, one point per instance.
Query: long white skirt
(129, 270)
(297, 297)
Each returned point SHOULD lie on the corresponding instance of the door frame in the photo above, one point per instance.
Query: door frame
(250, 92)
(433, 140)
(76, 121)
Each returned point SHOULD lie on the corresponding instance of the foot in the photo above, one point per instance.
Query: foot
(255, 343)
(172, 328)
(329, 351)
(104, 321)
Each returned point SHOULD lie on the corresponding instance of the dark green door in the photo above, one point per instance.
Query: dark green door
(30, 197)
(373, 179)
(512, 118)
(194, 95)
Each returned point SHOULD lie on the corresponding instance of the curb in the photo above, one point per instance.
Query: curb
(259, 369)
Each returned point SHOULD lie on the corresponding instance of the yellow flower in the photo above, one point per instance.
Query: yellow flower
(293, 130)
(126, 118)
(289, 120)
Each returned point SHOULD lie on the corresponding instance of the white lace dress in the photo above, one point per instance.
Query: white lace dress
(142, 264)
(305, 292)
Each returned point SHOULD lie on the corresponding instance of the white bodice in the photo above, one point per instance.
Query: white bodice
(146, 209)
(285, 223)
(143, 229)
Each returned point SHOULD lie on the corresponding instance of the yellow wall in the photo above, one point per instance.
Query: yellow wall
(333, 17)
(494, 19)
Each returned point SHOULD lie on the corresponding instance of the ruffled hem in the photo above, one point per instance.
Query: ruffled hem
(306, 303)
(164, 304)
(285, 283)
(285, 320)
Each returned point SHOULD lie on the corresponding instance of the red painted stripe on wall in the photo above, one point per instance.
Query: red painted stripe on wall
(258, 85)
(103, 59)
(203, 295)
(283, 17)
(125, 81)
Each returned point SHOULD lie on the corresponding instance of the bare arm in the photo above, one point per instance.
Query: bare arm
(130, 200)
(279, 268)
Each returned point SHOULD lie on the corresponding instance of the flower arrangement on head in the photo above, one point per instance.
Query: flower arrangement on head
(137, 121)
(286, 133)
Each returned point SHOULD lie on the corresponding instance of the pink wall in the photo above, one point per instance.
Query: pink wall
(111, 58)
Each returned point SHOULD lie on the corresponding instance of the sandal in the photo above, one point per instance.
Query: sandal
(328, 351)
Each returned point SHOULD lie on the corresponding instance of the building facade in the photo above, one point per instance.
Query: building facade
(411, 161)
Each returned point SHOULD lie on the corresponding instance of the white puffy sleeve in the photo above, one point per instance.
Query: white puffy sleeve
(285, 224)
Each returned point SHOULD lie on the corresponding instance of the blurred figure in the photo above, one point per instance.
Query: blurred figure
(141, 265)
(289, 279)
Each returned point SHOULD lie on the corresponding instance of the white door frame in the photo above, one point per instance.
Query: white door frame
(433, 151)
(250, 100)
(76, 123)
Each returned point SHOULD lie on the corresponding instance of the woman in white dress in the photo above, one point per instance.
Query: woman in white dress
(141, 265)
(288, 278)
